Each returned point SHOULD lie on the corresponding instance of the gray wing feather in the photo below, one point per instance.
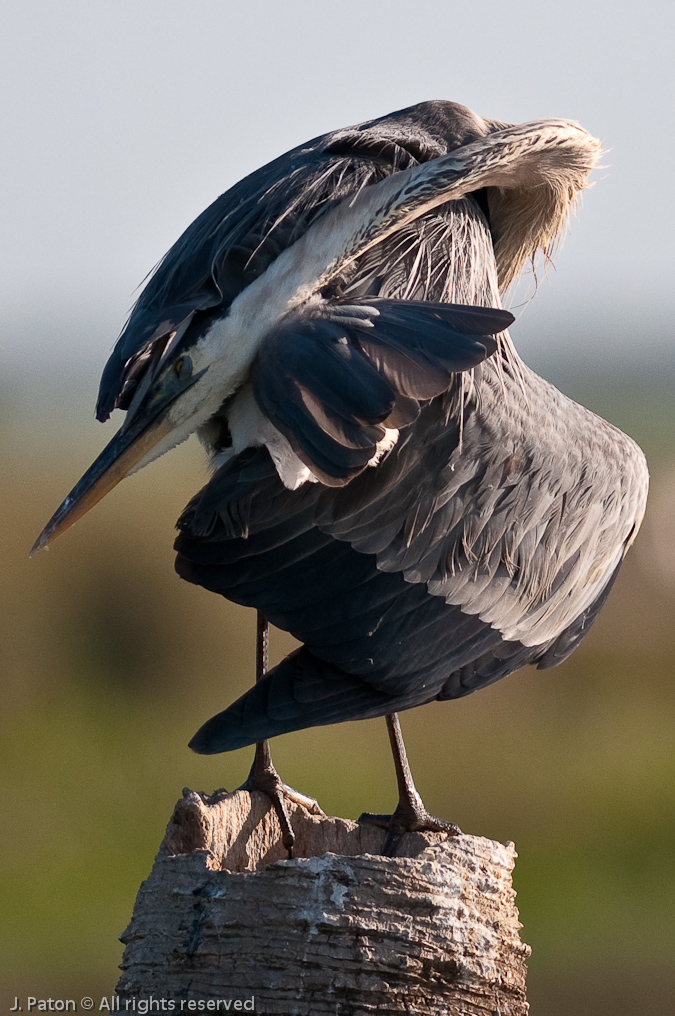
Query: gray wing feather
(529, 518)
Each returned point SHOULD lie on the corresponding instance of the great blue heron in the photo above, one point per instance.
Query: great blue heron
(391, 483)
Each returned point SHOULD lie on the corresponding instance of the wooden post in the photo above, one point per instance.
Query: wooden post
(339, 929)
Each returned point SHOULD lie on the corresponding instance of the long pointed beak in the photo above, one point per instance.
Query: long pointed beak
(116, 460)
(135, 439)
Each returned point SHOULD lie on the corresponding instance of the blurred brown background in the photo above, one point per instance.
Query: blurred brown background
(120, 123)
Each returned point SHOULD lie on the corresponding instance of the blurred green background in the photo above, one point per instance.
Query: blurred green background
(111, 663)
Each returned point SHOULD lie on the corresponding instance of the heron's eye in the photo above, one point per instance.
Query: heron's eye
(183, 366)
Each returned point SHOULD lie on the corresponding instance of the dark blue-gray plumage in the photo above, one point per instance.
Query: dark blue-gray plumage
(392, 484)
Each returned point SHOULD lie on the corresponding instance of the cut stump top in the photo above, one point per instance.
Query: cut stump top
(338, 929)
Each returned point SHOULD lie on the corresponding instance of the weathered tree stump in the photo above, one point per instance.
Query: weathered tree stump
(340, 929)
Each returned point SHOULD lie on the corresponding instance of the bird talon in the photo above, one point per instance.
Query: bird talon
(407, 819)
(264, 778)
(310, 804)
(369, 818)
(413, 820)
(267, 781)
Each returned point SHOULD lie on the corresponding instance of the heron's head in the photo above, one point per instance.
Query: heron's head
(168, 392)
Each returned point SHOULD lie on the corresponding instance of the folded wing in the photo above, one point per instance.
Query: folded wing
(334, 378)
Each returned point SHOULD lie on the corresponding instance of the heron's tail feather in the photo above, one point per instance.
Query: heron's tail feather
(300, 692)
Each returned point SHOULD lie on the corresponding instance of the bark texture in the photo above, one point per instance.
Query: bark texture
(338, 930)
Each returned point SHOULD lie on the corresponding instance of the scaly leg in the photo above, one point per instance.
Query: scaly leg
(410, 814)
(263, 776)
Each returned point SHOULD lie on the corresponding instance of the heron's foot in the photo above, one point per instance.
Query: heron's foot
(266, 779)
(410, 816)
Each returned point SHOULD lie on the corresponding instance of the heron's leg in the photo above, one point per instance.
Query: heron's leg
(263, 776)
(410, 814)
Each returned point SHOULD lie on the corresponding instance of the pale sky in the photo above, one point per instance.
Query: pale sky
(122, 119)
